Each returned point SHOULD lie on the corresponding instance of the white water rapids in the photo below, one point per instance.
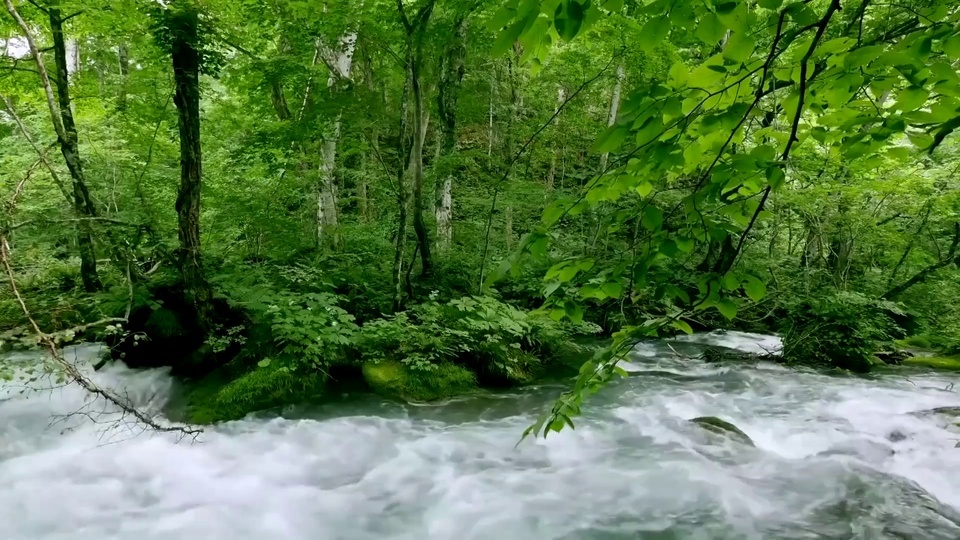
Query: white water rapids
(835, 457)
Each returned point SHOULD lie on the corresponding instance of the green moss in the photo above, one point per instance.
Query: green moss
(920, 342)
(951, 363)
(211, 401)
(722, 427)
(392, 379)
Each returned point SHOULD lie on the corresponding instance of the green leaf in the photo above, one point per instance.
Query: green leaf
(727, 308)
(612, 289)
(769, 4)
(644, 188)
(264, 363)
(682, 326)
(654, 31)
(710, 30)
(553, 212)
(911, 99)
(755, 288)
(739, 47)
(652, 219)
(776, 177)
(568, 19)
(611, 139)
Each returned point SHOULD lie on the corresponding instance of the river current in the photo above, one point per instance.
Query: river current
(836, 457)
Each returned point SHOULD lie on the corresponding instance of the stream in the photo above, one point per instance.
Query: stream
(836, 457)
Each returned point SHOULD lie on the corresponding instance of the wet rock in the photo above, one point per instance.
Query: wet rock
(869, 451)
(943, 411)
(893, 357)
(896, 436)
(722, 427)
(722, 354)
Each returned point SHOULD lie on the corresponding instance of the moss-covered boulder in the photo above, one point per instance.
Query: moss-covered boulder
(948, 363)
(722, 427)
(214, 399)
(392, 379)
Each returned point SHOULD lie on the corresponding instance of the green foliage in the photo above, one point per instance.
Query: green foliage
(311, 329)
(840, 331)
(494, 339)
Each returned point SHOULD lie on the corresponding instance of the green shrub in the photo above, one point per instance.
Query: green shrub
(500, 343)
(841, 330)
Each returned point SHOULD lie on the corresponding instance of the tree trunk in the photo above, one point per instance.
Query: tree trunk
(124, 62)
(416, 166)
(186, 71)
(69, 147)
(448, 92)
(328, 218)
(614, 111)
(416, 29)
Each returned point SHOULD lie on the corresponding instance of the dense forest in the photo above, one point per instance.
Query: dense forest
(273, 197)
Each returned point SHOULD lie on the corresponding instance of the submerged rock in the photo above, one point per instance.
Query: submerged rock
(392, 379)
(722, 427)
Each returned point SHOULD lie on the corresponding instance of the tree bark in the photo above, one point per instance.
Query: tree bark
(69, 147)
(340, 64)
(414, 60)
(186, 71)
(124, 64)
(452, 70)
(614, 111)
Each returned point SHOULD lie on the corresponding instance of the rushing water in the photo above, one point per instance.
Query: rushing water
(835, 457)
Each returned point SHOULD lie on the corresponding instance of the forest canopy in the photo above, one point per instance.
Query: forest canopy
(275, 190)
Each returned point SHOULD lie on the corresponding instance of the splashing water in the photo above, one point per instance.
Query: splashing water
(835, 457)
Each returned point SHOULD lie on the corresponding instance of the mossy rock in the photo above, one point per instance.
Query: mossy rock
(213, 400)
(948, 363)
(392, 379)
(722, 427)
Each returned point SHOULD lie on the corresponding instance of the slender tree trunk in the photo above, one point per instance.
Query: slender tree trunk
(328, 218)
(124, 63)
(416, 163)
(186, 72)
(451, 76)
(69, 147)
(614, 111)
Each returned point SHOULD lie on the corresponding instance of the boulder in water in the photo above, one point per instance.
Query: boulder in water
(393, 379)
(722, 427)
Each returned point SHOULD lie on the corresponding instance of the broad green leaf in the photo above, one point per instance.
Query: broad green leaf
(710, 30)
(568, 19)
(683, 326)
(611, 139)
(727, 308)
(755, 288)
(652, 219)
(911, 99)
(653, 33)
(644, 188)
(612, 289)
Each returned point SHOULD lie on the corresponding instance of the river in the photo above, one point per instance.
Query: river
(836, 457)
